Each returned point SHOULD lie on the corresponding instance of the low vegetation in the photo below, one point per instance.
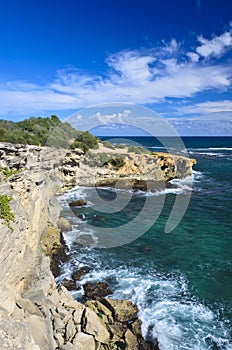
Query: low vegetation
(38, 131)
(85, 141)
(138, 150)
(8, 172)
(6, 214)
(117, 162)
(104, 159)
(120, 145)
(107, 144)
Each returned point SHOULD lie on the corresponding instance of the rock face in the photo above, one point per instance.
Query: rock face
(101, 324)
(76, 168)
(29, 299)
(138, 171)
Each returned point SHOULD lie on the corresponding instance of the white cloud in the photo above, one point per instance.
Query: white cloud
(208, 107)
(216, 46)
(194, 57)
(139, 77)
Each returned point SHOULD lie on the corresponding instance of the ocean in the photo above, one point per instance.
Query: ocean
(181, 281)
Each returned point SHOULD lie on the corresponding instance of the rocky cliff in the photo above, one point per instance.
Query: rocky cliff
(34, 314)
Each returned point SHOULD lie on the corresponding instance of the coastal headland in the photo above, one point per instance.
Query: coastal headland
(34, 313)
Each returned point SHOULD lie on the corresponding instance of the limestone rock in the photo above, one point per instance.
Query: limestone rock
(122, 310)
(78, 313)
(34, 315)
(101, 310)
(95, 326)
(50, 241)
(83, 341)
(68, 346)
(131, 340)
(64, 225)
(29, 306)
(70, 330)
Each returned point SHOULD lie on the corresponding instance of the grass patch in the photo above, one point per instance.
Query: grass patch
(6, 214)
(8, 172)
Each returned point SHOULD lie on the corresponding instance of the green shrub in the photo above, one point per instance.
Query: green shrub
(117, 162)
(81, 145)
(5, 212)
(85, 141)
(120, 145)
(38, 131)
(8, 172)
(138, 150)
(107, 144)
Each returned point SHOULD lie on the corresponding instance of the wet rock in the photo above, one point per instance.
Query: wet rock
(69, 284)
(77, 275)
(96, 290)
(78, 203)
(59, 257)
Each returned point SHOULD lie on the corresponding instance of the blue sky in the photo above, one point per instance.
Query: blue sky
(174, 57)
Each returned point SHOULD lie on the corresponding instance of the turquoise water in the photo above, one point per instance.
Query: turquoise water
(181, 281)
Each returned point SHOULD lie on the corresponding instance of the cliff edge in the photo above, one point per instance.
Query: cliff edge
(34, 314)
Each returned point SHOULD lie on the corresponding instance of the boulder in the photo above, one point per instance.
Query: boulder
(76, 276)
(78, 203)
(83, 341)
(94, 325)
(96, 290)
(69, 284)
(122, 310)
(101, 310)
(131, 340)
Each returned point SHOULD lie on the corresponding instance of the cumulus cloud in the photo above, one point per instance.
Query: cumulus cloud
(214, 47)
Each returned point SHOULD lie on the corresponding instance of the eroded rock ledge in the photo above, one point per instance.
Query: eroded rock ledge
(34, 314)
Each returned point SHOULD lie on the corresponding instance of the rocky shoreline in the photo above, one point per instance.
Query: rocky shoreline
(34, 313)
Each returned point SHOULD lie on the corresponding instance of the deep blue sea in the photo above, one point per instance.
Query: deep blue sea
(182, 280)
